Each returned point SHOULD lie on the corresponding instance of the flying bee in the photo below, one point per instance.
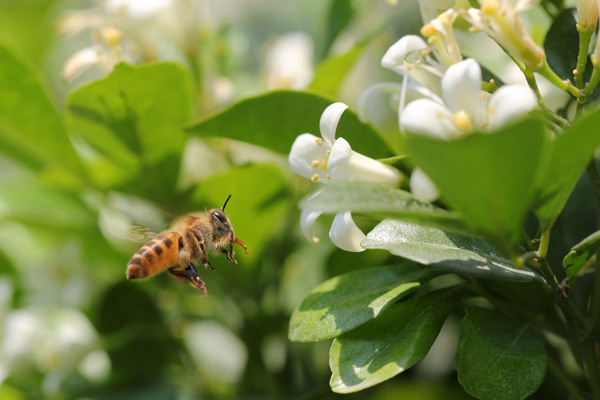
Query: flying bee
(185, 243)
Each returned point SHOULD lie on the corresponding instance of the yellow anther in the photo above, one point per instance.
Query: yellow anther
(112, 36)
(327, 153)
(319, 141)
(315, 163)
(428, 30)
(315, 178)
(462, 120)
(489, 7)
(323, 164)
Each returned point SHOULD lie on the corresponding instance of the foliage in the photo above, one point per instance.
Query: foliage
(509, 247)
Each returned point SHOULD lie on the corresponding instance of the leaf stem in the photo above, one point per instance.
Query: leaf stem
(564, 379)
(594, 79)
(560, 83)
(585, 36)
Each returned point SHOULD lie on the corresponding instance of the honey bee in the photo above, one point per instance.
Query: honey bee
(185, 243)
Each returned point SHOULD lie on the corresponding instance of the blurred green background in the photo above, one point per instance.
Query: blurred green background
(78, 173)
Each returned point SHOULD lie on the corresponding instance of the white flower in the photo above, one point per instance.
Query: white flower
(587, 14)
(500, 20)
(289, 62)
(326, 158)
(466, 107)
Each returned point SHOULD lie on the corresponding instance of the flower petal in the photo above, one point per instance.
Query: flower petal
(344, 163)
(461, 89)
(422, 187)
(508, 103)
(307, 220)
(329, 121)
(395, 57)
(82, 60)
(345, 234)
(429, 118)
(306, 149)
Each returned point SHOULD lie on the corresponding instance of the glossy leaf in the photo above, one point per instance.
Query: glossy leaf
(31, 130)
(498, 358)
(274, 120)
(447, 251)
(134, 119)
(568, 155)
(580, 254)
(381, 201)
(558, 44)
(346, 301)
(489, 178)
(391, 343)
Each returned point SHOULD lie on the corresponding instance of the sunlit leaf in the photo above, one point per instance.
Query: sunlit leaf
(134, 119)
(447, 251)
(349, 300)
(391, 343)
(380, 201)
(31, 130)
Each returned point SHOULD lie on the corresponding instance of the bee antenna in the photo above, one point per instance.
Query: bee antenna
(226, 203)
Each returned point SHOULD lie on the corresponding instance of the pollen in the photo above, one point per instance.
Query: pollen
(428, 30)
(319, 141)
(489, 7)
(315, 178)
(112, 36)
(462, 120)
(323, 164)
(315, 163)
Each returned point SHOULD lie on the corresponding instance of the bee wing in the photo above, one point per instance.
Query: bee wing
(140, 234)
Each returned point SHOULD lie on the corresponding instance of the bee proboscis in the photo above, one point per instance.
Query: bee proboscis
(185, 243)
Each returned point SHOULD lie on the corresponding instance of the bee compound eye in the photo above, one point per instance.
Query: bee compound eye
(220, 216)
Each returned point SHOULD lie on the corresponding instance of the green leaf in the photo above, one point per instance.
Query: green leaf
(580, 254)
(391, 343)
(380, 201)
(346, 301)
(274, 120)
(341, 13)
(498, 358)
(447, 251)
(134, 119)
(489, 177)
(332, 72)
(560, 44)
(46, 207)
(568, 156)
(31, 130)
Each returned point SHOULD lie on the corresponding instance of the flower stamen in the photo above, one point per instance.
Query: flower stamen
(462, 120)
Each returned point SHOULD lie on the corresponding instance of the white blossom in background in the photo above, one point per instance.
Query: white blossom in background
(325, 158)
(116, 27)
(465, 106)
(288, 62)
(53, 341)
(501, 21)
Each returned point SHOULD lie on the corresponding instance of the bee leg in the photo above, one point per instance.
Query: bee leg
(207, 264)
(189, 275)
(229, 254)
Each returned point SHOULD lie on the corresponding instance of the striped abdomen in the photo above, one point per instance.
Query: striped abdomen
(156, 255)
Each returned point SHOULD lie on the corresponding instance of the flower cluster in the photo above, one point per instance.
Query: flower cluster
(440, 95)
